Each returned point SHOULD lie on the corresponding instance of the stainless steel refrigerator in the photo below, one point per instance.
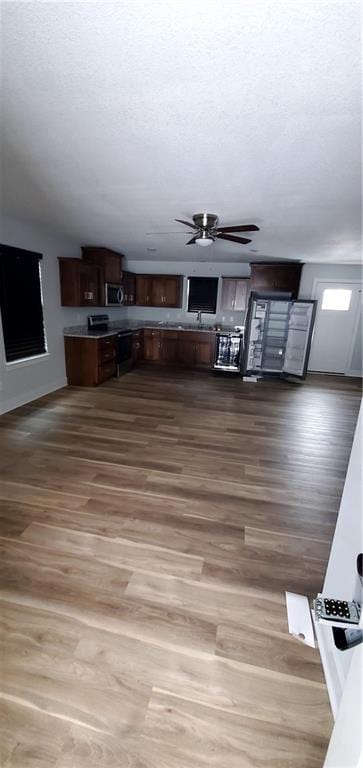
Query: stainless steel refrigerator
(278, 335)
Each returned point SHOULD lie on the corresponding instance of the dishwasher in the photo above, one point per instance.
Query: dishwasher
(228, 352)
(123, 352)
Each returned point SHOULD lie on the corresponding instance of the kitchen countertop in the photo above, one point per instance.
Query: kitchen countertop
(82, 332)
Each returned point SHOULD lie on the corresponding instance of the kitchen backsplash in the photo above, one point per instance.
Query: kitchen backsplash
(181, 314)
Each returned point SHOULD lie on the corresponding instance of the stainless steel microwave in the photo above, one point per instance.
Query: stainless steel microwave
(114, 295)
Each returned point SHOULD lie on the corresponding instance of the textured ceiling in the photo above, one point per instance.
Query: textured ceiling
(121, 116)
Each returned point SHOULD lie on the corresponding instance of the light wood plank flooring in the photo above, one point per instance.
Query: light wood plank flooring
(149, 530)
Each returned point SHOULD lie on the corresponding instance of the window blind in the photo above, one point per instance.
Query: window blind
(202, 294)
(21, 303)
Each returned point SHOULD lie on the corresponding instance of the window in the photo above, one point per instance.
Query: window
(21, 303)
(202, 294)
(336, 298)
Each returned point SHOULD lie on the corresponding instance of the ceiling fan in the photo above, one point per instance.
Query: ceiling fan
(206, 230)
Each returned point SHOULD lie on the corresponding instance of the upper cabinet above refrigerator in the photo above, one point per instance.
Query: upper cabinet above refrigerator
(272, 277)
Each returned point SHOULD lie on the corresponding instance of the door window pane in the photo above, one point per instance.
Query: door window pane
(337, 299)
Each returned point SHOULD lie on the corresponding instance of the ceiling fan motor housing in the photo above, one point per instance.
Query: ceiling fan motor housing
(205, 220)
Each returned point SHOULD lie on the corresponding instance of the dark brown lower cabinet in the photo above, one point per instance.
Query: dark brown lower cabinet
(152, 346)
(196, 349)
(204, 351)
(186, 351)
(189, 349)
(137, 347)
(169, 347)
(90, 361)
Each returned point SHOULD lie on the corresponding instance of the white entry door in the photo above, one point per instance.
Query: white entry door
(335, 326)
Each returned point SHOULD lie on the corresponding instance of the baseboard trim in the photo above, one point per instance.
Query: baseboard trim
(356, 374)
(28, 397)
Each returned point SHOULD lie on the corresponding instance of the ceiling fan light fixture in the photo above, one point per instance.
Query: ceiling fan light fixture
(204, 239)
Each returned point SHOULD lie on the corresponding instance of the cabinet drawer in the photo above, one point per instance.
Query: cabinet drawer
(169, 335)
(150, 333)
(106, 355)
(106, 371)
(107, 343)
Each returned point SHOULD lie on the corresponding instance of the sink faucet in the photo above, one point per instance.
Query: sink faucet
(199, 318)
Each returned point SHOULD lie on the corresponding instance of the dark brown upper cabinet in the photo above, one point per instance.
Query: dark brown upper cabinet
(166, 291)
(234, 294)
(278, 276)
(129, 286)
(159, 290)
(79, 283)
(144, 290)
(110, 262)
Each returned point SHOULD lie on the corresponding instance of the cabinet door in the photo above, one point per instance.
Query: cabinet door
(152, 346)
(204, 352)
(234, 294)
(131, 289)
(172, 291)
(169, 347)
(129, 292)
(228, 294)
(287, 278)
(89, 285)
(186, 350)
(240, 299)
(158, 291)
(113, 268)
(166, 291)
(137, 347)
(276, 277)
(143, 290)
(109, 261)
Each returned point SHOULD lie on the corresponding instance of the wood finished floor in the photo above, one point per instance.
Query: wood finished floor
(146, 525)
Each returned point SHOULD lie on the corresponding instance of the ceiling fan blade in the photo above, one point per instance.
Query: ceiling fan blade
(234, 239)
(191, 242)
(187, 223)
(169, 233)
(239, 228)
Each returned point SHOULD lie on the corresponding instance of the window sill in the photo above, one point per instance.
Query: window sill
(26, 361)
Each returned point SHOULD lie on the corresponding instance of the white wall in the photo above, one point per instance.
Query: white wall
(188, 269)
(25, 381)
(311, 272)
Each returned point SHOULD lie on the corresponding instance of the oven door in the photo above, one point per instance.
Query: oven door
(114, 294)
(123, 347)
